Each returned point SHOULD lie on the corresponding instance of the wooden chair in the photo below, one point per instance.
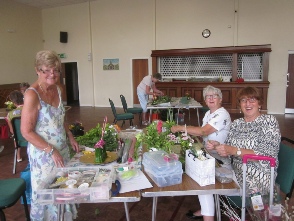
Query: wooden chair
(19, 140)
(10, 192)
(133, 110)
(123, 117)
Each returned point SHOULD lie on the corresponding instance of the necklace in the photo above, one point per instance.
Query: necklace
(42, 89)
(45, 94)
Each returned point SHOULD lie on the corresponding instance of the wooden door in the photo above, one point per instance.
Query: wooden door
(140, 70)
(290, 85)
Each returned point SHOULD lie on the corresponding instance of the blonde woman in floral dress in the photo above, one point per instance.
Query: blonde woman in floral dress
(43, 126)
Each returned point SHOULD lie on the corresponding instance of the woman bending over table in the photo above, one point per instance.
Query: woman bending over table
(216, 126)
(43, 126)
(144, 90)
(255, 133)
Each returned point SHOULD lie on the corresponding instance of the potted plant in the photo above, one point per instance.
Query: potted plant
(155, 115)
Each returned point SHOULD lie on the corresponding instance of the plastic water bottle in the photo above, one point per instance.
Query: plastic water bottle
(67, 214)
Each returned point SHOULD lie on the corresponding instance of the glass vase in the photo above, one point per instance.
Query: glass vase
(99, 155)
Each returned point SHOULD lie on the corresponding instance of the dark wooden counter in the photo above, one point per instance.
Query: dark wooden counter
(229, 91)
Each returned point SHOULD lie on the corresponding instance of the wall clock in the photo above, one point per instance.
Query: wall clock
(206, 33)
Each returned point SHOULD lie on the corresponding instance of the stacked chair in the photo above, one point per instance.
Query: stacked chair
(133, 110)
(123, 116)
(19, 140)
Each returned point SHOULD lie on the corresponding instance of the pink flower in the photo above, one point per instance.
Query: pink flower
(159, 126)
(99, 144)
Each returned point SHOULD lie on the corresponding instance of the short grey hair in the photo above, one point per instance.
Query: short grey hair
(212, 89)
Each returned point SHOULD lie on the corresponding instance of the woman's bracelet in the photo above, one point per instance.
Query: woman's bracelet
(51, 151)
(46, 147)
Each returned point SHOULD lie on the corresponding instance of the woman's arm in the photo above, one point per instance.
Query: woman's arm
(156, 91)
(73, 142)
(29, 117)
(196, 131)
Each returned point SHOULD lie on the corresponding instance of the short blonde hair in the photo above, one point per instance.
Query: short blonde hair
(212, 89)
(47, 58)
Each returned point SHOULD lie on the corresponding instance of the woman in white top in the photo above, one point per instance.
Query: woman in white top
(144, 90)
(216, 126)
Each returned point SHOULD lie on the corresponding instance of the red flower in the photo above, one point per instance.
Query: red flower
(159, 126)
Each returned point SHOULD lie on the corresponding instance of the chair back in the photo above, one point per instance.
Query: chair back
(124, 103)
(112, 107)
(20, 141)
(285, 176)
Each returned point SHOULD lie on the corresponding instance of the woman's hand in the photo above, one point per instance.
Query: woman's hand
(176, 128)
(211, 144)
(225, 150)
(57, 158)
(73, 142)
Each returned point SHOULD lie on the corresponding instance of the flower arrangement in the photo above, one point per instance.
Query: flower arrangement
(10, 105)
(156, 135)
(187, 95)
(77, 129)
(110, 137)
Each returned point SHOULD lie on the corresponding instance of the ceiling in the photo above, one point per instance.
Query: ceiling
(42, 4)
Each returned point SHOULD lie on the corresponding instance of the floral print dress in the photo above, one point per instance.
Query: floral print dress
(50, 126)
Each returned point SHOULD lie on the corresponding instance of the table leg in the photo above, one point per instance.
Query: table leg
(127, 211)
(154, 208)
(217, 207)
(60, 212)
(189, 114)
(198, 117)
(150, 116)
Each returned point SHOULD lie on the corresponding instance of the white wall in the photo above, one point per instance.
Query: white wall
(20, 39)
(124, 30)
(133, 28)
(74, 19)
(270, 22)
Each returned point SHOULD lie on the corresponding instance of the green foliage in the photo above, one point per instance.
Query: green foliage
(90, 138)
(161, 99)
(156, 139)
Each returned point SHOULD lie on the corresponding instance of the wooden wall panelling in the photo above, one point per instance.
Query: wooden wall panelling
(229, 91)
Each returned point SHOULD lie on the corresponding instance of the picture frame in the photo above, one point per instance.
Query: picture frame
(111, 64)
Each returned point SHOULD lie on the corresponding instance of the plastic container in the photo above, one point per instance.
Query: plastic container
(223, 175)
(162, 171)
(92, 186)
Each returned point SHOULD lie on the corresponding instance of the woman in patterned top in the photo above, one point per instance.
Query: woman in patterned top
(216, 126)
(255, 133)
(43, 126)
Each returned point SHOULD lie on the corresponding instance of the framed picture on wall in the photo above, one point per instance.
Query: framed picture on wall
(111, 64)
